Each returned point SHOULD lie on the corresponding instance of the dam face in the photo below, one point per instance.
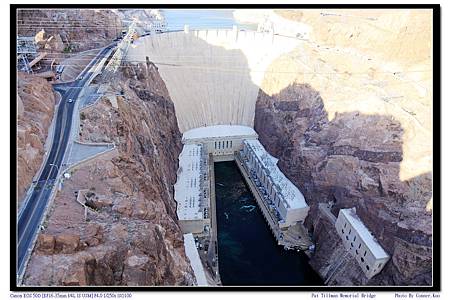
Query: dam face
(213, 76)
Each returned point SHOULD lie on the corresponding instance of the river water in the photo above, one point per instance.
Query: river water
(248, 252)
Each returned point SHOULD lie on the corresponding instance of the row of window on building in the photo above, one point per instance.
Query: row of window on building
(369, 255)
(223, 144)
(264, 178)
(275, 198)
(193, 166)
(275, 186)
(192, 182)
(191, 201)
(195, 151)
(357, 250)
(190, 185)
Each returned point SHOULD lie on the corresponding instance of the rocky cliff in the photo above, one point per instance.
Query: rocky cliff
(57, 33)
(352, 128)
(35, 107)
(61, 33)
(69, 30)
(128, 234)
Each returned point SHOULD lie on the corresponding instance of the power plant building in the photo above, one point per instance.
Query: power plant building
(192, 190)
(281, 202)
(358, 240)
(288, 202)
(222, 141)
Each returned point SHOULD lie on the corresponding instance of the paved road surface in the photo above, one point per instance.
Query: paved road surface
(31, 214)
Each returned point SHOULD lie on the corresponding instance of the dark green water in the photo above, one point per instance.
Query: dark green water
(248, 252)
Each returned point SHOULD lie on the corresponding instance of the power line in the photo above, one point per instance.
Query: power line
(68, 27)
(389, 84)
(311, 72)
(177, 64)
(248, 70)
(182, 63)
(191, 26)
(177, 23)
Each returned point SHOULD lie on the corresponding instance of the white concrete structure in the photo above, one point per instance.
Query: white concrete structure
(268, 20)
(194, 258)
(357, 239)
(220, 140)
(213, 76)
(280, 201)
(192, 189)
(282, 194)
(147, 20)
(158, 21)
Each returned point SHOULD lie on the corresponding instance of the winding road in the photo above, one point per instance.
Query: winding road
(33, 210)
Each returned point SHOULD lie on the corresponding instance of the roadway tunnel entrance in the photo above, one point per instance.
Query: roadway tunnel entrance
(248, 252)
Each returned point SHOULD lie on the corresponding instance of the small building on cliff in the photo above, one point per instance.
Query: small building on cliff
(358, 240)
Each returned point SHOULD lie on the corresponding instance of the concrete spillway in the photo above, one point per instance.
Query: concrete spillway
(213, 76)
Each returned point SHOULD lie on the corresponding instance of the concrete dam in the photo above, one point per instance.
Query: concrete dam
(219, 147)
(213, 76)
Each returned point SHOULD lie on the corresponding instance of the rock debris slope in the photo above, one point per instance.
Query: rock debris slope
(131, 236)
(35, 107)
(346, 110)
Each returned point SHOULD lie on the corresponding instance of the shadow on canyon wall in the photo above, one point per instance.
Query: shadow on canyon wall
(351, 161)
(209, 85)
(134, 238)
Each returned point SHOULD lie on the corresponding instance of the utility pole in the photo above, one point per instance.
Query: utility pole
(26, 50)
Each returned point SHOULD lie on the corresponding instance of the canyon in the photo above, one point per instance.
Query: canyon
(348, 118)
(356, 141)
(130, 236)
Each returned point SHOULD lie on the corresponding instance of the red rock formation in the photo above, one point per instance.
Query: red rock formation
(76, 29)
(62, 32)
(35, 106)
(352, 160)
(131, 235)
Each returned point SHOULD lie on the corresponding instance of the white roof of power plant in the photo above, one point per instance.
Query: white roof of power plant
(287, 189)
(218, 131)
(196, 264)
(364, 233)
(188, 185)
